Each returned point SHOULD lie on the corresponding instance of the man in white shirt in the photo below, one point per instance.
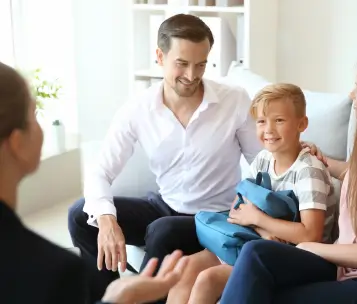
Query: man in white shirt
(193, 132)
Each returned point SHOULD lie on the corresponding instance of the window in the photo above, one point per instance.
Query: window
(43, 38)
(6, 33)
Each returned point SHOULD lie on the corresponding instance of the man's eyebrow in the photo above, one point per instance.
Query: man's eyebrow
(185, 61)
(181, 60)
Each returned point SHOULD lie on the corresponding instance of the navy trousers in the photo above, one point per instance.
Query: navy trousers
(272, 272)
(148, 222)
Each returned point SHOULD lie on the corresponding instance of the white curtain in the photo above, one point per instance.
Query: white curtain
(6, 34)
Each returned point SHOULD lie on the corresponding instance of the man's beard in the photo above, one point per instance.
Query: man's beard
(186, 91)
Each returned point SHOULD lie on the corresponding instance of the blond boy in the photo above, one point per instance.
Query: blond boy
(280, 114)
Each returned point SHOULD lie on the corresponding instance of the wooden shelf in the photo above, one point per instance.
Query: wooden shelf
(203, 9)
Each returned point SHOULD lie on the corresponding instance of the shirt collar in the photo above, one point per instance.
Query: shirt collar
(209, 95)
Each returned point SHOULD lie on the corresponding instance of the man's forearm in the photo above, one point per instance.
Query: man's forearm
(337, 168)
(106, 219)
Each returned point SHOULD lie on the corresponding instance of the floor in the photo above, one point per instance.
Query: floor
(51, 223)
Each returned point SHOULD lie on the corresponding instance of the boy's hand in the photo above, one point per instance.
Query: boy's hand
(246, 214)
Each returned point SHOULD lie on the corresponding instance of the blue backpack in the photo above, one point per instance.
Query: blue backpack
(225, 239)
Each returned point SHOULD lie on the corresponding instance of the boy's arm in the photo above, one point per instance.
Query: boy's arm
(310, 229)
(312, 188)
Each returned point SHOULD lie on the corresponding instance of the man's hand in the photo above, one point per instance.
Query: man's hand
(246, 214)
(111, 244)
(314, 150)
(145, 288)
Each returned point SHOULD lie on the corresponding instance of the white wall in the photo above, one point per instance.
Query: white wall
(57, 180)
(101, 58)
(317, 44)
(316, 49)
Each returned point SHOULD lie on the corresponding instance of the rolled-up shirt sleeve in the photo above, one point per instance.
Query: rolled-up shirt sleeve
(117, 148)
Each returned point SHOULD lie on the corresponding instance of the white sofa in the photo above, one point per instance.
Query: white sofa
(331, 124)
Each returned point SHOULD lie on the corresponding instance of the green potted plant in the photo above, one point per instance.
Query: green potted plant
(46, 93)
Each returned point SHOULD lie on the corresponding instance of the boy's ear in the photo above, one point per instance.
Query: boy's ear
(304, 122)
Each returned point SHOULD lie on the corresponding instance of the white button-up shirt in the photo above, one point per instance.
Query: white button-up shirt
(196, 168)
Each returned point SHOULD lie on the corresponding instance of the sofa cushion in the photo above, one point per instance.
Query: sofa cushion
(326, 129)
(329, 116)
(239, 76)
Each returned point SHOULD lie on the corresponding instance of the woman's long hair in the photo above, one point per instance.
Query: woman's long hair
(352, 186)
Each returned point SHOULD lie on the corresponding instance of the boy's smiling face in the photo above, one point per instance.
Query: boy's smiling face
(278, 125)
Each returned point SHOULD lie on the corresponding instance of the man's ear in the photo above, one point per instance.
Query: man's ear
(304, 122)
(159, 57)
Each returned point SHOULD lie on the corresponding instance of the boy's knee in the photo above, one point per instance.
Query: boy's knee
(206, 278)
(191, 272)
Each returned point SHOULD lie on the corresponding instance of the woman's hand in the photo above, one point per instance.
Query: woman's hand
(145, 287)
(314, 150)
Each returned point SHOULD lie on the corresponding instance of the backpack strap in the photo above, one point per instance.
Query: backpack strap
(263, 179)
(239, 201)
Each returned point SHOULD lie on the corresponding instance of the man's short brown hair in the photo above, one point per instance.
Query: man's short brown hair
(183, 26)
(283, 92)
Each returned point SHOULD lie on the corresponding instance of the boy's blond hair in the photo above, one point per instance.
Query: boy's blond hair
(280, 91)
